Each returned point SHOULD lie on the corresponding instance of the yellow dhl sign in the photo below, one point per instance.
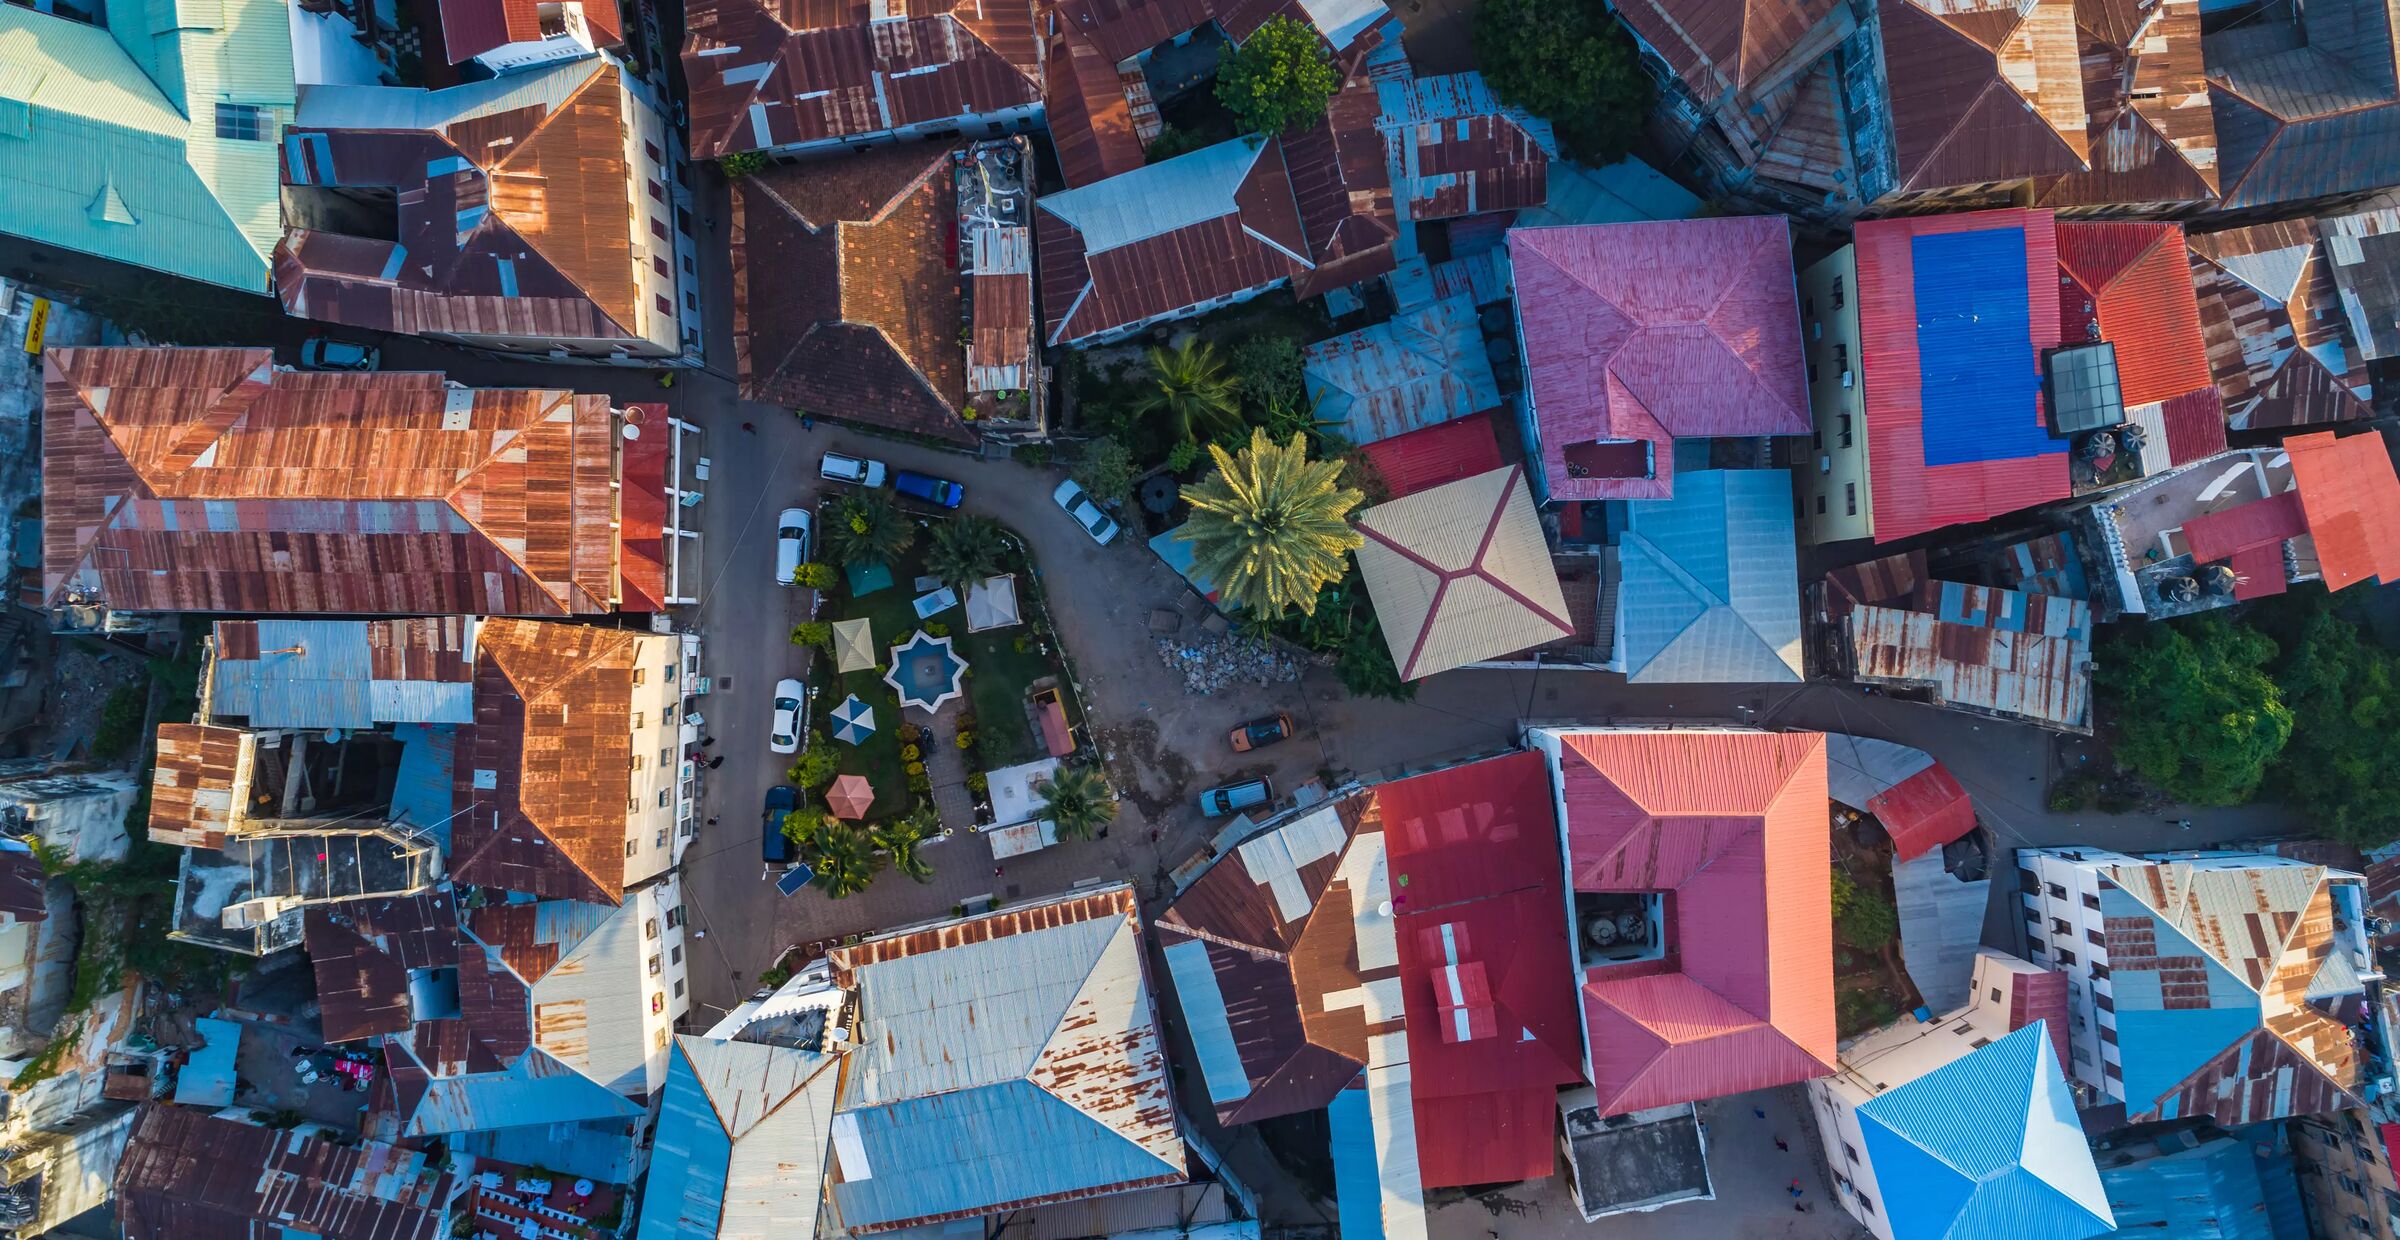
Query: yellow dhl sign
(36, 324)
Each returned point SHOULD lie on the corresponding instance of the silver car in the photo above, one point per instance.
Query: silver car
(1087, 514)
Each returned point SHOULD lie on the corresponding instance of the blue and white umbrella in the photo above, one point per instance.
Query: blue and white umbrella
(853, 721)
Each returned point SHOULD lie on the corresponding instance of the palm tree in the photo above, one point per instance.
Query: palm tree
(1270, 526)
(867, 529)
(965, 551)
(899, 838)
(845, 860)
(1076, 801)
(1190, 389)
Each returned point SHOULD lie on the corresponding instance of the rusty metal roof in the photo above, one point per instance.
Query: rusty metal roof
(543, 775)
(189, 1175)
(1090, 116)
(516, 212)
(2152, 137)
(856, 312)
(2271, 315)
(1714, 45)
(1983, 90)
(473, 27)
(21, 886)
(2027, 675)
(200, 787)
(343, 673)
(1343, 186)
(2307, 106)
(207, 480)
(1457, 150)
(363, 951)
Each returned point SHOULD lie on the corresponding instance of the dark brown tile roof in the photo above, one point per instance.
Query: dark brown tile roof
(1343, 188)
(861, 317)
(207, 480)
(200, 785)
(552, 738)
(548, 254)
(187, 1175)
(1983, 92)
(809, 70)
(1090, 117)
(2153, 138)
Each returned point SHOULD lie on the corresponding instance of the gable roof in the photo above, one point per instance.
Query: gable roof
(2351, 501)
(1461, 572)
(515, 207)
(1649, 332)
(2151, 134)
(846, 290)
(1161, 239)
(472, 27)
(208, 480)
(1987, 1144)
(1712, 44)
(2277, 340)
(2130, 283)
(1343, 188)
(742, 1134)
(1955, 431)
(770, 73)
(1733, 823)
(2307, 108)
(2228, 982)
(1710, 583)
(1025, 1029)
(113, 146)
(186, 1172)
(1418, 369)
(1986, 90)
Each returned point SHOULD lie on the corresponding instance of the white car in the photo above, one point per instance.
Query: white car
(789, 693)
(858, 471)
(1087, 514)
(791, 545)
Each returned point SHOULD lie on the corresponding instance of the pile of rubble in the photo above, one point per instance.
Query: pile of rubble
(1211, 663)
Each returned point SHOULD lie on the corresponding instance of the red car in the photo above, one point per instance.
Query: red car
(1260, 733)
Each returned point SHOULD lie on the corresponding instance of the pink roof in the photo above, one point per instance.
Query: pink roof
(1732, 827)
(1654, 332)
(1477, 894)
(2351, 500)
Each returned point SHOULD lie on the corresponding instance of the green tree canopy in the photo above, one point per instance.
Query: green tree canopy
(1279, 79)
(1271, 527)
(867, 528)
(2338, 768)
(1189, 390)
(2194, 710)
(1570, 63)
(1106, 471)
(966, 550)
(845, 859)
(1076, 800)
(899, 838)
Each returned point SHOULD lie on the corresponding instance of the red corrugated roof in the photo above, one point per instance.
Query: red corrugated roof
(1924, 811)
(1653, 332)
(472, 27)
(1446, 452)
(1732, 824)
(2228, 532)
(2258, 572)
(2139, 281)
(642, 511)
(2352, 503)
(1475, 879)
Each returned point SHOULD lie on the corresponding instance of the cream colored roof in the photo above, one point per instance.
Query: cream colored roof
(1461, 572)
(853, 645)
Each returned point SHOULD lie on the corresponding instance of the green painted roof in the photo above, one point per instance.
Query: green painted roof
(108, 137)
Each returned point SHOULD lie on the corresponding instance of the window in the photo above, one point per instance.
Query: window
(640, 675)
(675, 954)
(2350, 1185)
(2035, 946)
(1849, 1153)
(651, 149)
(662, 837)
(1838, 299)
(2083, 1057)
(1866, 1203)
(2091, 902)
(662, 804)
(1820, 505)
(1812, 372)
(659, 265)
(666, 756)
(2103, 1002)
(1850, 496)
(1808, 307)
(639, 716)
(679, 988)
(674, 917)
(658, 192)
(2099, 970)
(2058, 925)
(1995, 994)
(2056, 892)
(247, 122)
(2108, 1035)
(659, 1040)
(1843, 427)
(656, 964)
(691, 301)
(2359, 1224)
(637, 761)
(658, 230)
(664, 306)
(658, 1003)
(2027, 883)
(2065, 956)
(632, 847)
(2093, 936)
(650, 927)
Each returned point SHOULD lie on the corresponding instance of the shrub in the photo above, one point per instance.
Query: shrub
(966, 740)
(909, 733)
(914, 768)
(1571, 64)
(1023, 646)
(743, 163)
(935, 628)
(910, 753)
(966, 721)
(815, 768)
(815, 633)
(978, 783)
(1181, 456)
(815, 576)
(120, 726)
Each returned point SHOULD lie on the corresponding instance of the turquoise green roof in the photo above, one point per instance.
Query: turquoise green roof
(108, 136)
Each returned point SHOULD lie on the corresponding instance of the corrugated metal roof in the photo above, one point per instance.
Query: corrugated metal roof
(1987, 1144)
(1457, 150)
(1460, 573)
(1733, 824)
(128, 112)
(2145, 95)
(1983, 91)
(535, 1090)
(207, 1077)
(2351, 499)
(343, 673)
(741, 1142)
(1653, 331)
(1433, 456)
(2211, 1191)
(1924, 811)
(2306, 108)
(1420, 368)
(472, 27)
(1343, 189)
(189, 1174)
(1710, 587)
(2269, 310)
(200, 785)
(2138, 280)
(1357, 1190)
(2043, 679)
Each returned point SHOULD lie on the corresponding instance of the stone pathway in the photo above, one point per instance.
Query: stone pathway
(946, 767)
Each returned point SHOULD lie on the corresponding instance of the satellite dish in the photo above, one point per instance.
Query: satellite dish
(632, 431)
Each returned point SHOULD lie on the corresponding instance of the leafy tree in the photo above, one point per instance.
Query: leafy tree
(1570, 63)
(1172, 142)
(845, 860)
(1077, 801)
(1279, 79)
(2194, 710)
(1106, 471)
(899, 838)
(1865, 920)
(743, 163)
(1267, 368)
(815, 767)
(1270, 526)
(815, 576)
(1181, 456)
(1364, 665)
(868, 529)
(815, 633)
(2345, 718)
(966, 550)
(1189, 390)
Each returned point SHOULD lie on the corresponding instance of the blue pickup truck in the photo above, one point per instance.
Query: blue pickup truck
(928, 488)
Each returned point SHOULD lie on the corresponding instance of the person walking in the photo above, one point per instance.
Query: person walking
(1783, 1145)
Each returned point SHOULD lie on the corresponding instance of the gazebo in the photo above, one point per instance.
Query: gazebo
(926, 672)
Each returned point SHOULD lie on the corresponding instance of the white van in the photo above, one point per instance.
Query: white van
(791, 545)
(855, 470)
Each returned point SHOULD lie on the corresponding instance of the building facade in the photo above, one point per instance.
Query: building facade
(1830, 483)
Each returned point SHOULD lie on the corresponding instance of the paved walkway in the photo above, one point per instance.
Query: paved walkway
(946, 767)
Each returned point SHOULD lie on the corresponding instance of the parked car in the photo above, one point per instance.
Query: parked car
(1087, 514)
(773, 843)
(1260, 733)
(327, 353)
(791, 545)
(858, 471)
(788, 695)
(928, 488)
(1218, 802)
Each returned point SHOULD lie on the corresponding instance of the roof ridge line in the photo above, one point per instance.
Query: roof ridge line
(1227, 941)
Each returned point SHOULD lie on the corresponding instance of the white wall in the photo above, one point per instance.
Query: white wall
(326, 52)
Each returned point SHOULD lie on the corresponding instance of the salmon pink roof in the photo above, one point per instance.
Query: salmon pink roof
(1647, 333)
(2352, 502)
(1729, 829)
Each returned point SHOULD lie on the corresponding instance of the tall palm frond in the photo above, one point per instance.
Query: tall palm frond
(868, 529)
(1076, 800)
(1270, 526)
(846, 860)
(1190, 388)
(965, 551)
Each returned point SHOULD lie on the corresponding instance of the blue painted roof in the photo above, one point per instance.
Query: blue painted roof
(1974, 378)
(537, 1089)
(968, 1148)
(1625, 192)
(1709, 588)
(2214, 1191)
(1357, 1177)
(421, 787)
(1986, 1146)
(2162, 1046)
(1206, 1020)
(207, 1077)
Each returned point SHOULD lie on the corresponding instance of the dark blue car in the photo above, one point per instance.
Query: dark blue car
(928, 488)
(774, 846)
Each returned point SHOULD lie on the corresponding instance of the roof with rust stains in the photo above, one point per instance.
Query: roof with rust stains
(542, 775)
(200, 787)
(743, 1134)
(982, 1039)
(189, 1174)
(771, 73)
(2277, 339)
(2233, 986)
(1715, 44)
(846, 290)
(209, 480)
(2307, 107)
(516, 208)
(2151, 134)
(1983, 90)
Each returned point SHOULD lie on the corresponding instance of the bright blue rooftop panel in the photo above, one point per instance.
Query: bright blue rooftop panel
(1204, 1016)
(1357, 1178)
(966, 1150)
(687, 1162)
(1978, 382)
